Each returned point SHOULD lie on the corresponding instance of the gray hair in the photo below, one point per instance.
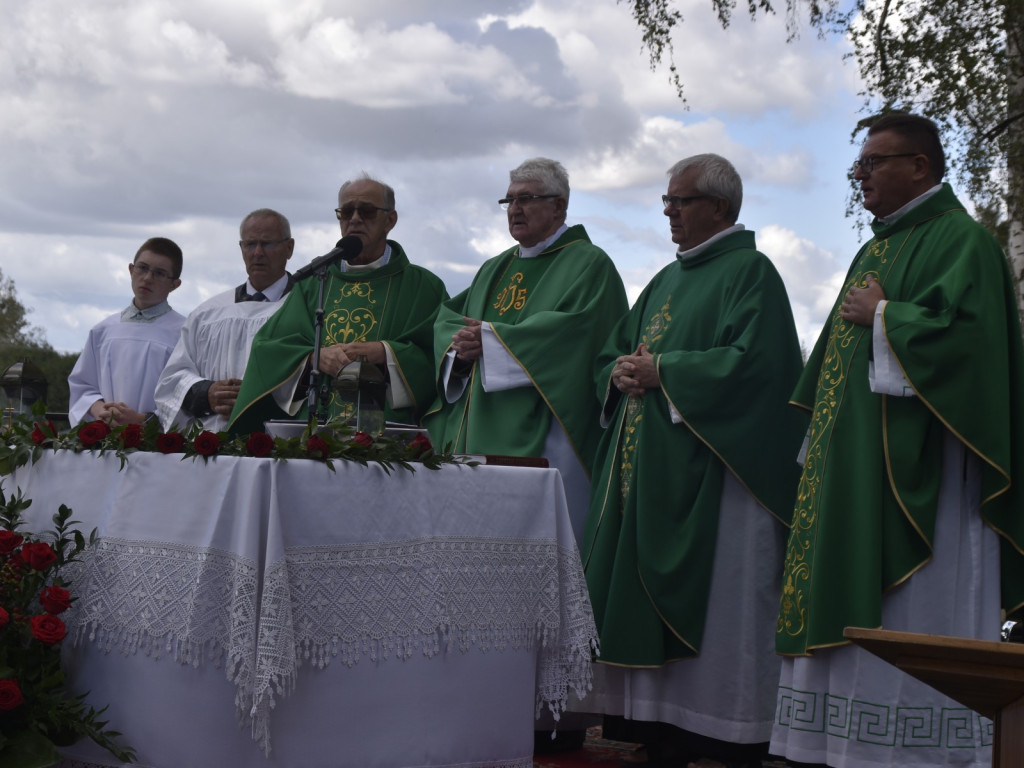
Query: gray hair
(717, 178)
(389, 193)
(553, 178)
(259, 213)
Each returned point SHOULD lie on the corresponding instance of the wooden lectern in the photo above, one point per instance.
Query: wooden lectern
(986, 676)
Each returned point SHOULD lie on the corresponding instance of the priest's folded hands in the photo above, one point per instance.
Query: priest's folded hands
(336, 356)
(635, 374)
(467, 342)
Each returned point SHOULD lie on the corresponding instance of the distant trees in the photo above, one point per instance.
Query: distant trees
(14, 327)
(21, 341)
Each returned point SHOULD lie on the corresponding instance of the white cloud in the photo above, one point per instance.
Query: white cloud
(384, 68)
(490, 241)
(106, 44)
(812, 275)
(125, 120)
(749, 68)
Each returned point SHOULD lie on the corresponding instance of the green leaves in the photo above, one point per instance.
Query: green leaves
(36, 712)
(26, 440)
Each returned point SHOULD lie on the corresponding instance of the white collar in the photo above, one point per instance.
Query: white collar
(699, 249)
(539, 248)
(909, 206)
(376, 264)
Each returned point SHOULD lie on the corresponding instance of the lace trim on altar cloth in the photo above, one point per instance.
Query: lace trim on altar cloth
(189, 603)
(428, 595)
(526, 762)
(377, 600)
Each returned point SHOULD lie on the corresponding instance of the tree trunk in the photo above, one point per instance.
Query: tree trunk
(1015, 145)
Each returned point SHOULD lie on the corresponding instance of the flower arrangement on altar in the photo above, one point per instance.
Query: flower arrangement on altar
(25, 439)
(36, 713)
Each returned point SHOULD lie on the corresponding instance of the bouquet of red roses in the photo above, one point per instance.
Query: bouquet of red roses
(36, 713)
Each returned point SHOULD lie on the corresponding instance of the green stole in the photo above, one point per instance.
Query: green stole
(352, 313)
(526, 433)
(721, 330)
(866, 503)
(395, 304)
(551, 313)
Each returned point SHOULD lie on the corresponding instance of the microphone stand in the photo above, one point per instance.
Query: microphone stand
(319, 385)
(316, 400)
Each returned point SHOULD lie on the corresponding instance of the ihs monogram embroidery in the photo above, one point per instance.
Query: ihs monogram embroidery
(511, 296)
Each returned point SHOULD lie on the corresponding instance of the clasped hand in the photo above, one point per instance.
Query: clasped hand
(467, 341)
(635, 374)
(335, 357)
(116, 414)
(222, 395)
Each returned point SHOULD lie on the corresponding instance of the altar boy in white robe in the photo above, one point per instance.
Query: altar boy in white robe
(116, 374)
(202, 377)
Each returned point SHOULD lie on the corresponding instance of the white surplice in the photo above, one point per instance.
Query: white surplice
(121, 362)
(214, 345)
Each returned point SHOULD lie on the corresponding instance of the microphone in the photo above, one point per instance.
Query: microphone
(346, 250)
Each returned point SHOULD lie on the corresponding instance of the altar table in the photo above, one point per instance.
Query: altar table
(251, 612)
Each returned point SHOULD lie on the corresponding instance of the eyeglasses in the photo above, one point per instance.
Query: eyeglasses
(676, 203)
(250, 246)
(366, 211)
(867, 164)
(506, 202)
(141, 270)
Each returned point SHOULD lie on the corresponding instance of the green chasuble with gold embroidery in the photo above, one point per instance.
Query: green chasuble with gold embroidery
(552, 313)
(720, 327)
(866, 504)
(395, 304)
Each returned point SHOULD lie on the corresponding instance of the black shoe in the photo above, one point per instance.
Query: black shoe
(564, 741)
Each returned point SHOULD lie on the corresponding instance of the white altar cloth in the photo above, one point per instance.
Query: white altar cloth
(347, 618)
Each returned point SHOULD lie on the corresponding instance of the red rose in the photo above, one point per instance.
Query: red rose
(9, 541)
(361, 438)
(207, 443)
(5, 618)
(15, 565)
(42, 433)
(170, 442)
(38, 554)
(259, 444)
(420, 445)
(10, 695)
(131, 436)
(318, 447)
(47, 629)
(93, 433)
(55, 599)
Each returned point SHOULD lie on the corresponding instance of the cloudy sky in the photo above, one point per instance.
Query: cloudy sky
(125, 120)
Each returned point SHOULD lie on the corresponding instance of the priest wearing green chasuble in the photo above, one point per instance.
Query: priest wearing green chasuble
(694, 484)
(514, 351)
(909, 513)
(378, 309)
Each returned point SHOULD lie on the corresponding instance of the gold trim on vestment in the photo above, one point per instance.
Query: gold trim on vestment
(536, 386)
(607, 490)
(253, 401)
(544, 397)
